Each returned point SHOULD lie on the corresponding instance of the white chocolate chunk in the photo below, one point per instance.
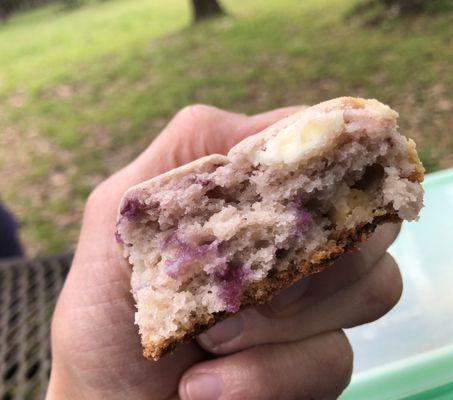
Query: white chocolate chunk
(302, 139)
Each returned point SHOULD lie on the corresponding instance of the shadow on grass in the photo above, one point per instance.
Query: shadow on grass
(69, 5)
(377, 12)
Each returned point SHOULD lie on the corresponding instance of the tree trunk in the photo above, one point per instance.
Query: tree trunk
(5, 10)
(205, 8)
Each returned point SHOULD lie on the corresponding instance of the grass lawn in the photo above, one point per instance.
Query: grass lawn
(82, 92)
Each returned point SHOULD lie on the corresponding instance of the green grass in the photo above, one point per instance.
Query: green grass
(82, 92)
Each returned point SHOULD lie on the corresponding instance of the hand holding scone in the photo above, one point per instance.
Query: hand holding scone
(290, 348)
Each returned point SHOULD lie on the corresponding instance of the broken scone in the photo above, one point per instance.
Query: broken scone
(220, 233)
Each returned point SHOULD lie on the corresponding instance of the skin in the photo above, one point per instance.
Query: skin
(291, 348)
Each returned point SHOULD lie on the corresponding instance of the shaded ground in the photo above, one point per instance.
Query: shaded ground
(83, 92)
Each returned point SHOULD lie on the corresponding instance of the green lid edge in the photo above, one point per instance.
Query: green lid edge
(404, 379)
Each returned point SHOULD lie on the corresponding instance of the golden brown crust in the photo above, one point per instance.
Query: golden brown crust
(419, 171)
(263, 291)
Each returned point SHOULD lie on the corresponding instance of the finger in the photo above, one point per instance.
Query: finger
(350, 267)
(366, 300)
(375, 248)
(317, 368)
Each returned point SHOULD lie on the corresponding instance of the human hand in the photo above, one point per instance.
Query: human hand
(290, 348)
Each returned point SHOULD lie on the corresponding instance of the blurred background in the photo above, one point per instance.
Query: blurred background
(86, 85)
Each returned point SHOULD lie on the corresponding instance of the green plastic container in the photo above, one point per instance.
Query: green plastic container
(408, 354)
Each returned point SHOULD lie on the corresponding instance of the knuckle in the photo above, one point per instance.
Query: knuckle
(383, 292)
(196, 113)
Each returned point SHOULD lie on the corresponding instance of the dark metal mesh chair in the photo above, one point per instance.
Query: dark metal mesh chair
(28, 291)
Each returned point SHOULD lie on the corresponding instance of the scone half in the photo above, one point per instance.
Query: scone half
(223, 232)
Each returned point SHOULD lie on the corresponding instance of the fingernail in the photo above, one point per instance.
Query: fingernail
(290, 295)
(223, 332)
(202, 387)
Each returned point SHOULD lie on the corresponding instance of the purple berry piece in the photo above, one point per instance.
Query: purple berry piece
(132, 208)
(187, 253)
(202, 181)
(304, 221)
(177, 267)
(230, 278)
(390, 142)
